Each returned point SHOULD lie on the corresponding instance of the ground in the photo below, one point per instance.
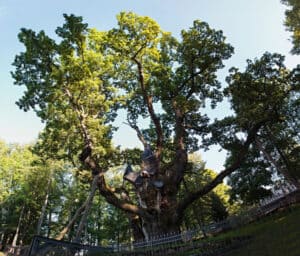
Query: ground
(276, 235)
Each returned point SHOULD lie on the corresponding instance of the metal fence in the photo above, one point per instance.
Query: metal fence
(178, 246)
(42, 246)
(179, 243)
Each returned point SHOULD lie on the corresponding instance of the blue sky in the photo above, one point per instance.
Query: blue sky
(252, 27)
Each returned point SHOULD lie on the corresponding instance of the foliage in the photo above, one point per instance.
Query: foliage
(267, 90)
(66, 82)
(252, 181)
(292, 22)
(77, 84)
(21, 189)
(27, 179)
(212, 207)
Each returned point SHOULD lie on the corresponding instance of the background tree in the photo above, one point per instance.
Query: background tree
(267, 89)
(20, 203)
(212, 207)
(33, 194)
(16, 174)
(292, 22)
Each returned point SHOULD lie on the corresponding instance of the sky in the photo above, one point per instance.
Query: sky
(252, 27)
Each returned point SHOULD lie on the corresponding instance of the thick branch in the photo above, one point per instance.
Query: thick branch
(180, 158)
(179, 126)
(81, 118)
(148, 100)
(191, 197)
(192, 76)
(87, 158)
(139, 50)
(108, 193)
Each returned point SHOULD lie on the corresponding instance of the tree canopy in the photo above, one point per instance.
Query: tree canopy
(77, 83)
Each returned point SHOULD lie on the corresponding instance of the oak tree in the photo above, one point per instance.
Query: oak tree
(77, 84)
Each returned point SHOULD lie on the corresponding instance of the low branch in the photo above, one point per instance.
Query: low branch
(191, 197)
(108, 193)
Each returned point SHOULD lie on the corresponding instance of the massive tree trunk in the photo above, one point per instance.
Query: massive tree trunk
(162, 208)
(157, 184)
(158, 210)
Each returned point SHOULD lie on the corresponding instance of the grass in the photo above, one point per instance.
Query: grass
(276, 235)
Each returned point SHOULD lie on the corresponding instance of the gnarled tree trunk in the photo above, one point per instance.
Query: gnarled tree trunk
(159, 211)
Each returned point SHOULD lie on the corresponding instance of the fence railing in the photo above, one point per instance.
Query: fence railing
(161, 245)
(42, 246)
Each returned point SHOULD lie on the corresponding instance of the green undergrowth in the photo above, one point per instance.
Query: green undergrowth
(275, 235)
